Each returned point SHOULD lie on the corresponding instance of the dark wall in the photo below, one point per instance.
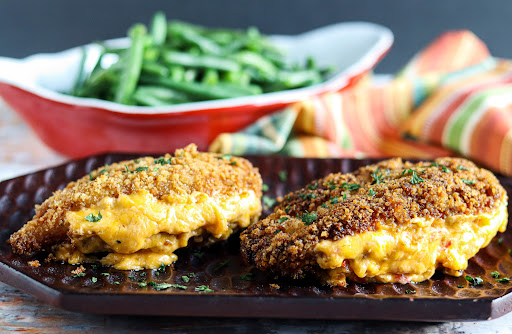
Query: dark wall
(32, 26)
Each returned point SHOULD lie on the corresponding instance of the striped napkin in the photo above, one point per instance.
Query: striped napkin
(452, 98)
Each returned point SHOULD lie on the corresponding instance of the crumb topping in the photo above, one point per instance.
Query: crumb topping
(185, 172)
(390, 192)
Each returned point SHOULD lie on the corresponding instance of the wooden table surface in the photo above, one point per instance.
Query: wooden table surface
(21, 152)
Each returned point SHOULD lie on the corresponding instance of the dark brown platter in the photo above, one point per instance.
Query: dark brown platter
(235, 294)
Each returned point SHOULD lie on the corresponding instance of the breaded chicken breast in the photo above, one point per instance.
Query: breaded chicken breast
(389, 222)
(135, 214)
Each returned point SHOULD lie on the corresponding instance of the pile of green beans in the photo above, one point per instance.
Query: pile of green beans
(176, 62)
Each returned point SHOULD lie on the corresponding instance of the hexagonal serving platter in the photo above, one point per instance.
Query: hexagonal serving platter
(214, 281)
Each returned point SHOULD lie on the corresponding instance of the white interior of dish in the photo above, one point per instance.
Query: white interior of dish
(351, 47)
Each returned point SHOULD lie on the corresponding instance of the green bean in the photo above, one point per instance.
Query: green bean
(97, 81)
(81, 73)
(131, 72)
(299, 78)
(251, 59)
(163, 93)
(190, 75)
(148, 100)
(211, 77)
(241, 90)
(158, 96)
(200, 90)
(238, 77)
(189, 34)
(177, 73)
(178, 62)
(200, 61)
(159, 28)
(155, 69)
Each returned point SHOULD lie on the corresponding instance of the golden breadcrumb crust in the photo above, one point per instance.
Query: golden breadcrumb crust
(185, 172)
(390, 192)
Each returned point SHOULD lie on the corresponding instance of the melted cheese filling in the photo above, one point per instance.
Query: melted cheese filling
(139, 231)
(410, 252)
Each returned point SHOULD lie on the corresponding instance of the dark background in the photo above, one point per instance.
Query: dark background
(33, 26)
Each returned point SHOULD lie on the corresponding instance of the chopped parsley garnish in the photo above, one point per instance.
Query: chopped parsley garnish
(334, 200)
(162, 161)
(203, 288)
(283, 175)
(503, 280)
(331, 185)
(246, 277)
(371, 192)
(509, 251)
(136, 161)
(324, 205)
(79, 275)
(462, 168)
(287, 209)
(127, 170)
(221, 265)
(344, 196)
(161, 268)
(143, 274)
(90, 176)
(141, 169)
(226, 157)
(163, 286)
(155, 169)
(92, 218)
(277, 231)
(410, 292)
(460, 286)
(500, 241)
(268, 201)
(142, 284)
(474, 280)
(282, 219)
(495, 274)
(443, 167)
(105, 274)
(199, 254)
(306, 196)
(177, 286)
(132, 277)
(350, 186)
(117, 283)
(191, 275)
(233, 163)
(312, 186)
(94, 279)
(377, 177)
(264, 187)
(415, 179)
(185, 279)
(468, 181)
(308, 218)
(118, 241)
